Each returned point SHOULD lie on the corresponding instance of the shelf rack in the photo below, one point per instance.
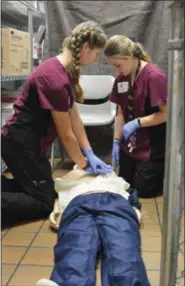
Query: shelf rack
(13, 78)
(23, 17)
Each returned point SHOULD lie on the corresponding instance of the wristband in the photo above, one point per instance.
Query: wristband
(139, 122)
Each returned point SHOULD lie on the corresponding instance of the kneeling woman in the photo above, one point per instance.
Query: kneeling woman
(140, 91)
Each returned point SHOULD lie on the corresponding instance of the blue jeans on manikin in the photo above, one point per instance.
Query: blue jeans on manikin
(103, 222)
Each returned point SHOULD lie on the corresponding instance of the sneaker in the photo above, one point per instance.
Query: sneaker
(46, 282)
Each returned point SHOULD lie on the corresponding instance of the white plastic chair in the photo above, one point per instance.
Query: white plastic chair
(97, 87)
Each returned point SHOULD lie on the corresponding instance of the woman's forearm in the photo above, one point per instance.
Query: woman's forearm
(153, 119)
(71, 145)
(78, 129)
(119, 122)
(65, 133)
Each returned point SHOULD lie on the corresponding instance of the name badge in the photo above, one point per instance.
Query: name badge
(123, 86)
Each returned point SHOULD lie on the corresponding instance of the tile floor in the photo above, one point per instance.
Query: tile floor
(27, 250)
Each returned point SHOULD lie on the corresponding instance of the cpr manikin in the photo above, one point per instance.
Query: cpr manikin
(100, 214)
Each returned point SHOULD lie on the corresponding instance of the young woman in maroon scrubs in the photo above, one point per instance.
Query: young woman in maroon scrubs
(46, 107)
(140, 90)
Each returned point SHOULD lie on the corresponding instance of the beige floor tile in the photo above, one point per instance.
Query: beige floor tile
(11, 254)
(39, 256)
(160, 207)
(60, 173)
(15, 238)
(151, 244)
(151, 230)
(46, 228)
(151, 208)
(63, 168)
(98, 277)
(45, 240)
(29, 275)
(152, 260)
(147, 201)
(29, 227)
(159, 199)
(6, 271)
(154, 277)
(149, 218)
(3, 232)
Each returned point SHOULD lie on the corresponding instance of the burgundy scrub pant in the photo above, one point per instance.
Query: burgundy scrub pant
(146, 177)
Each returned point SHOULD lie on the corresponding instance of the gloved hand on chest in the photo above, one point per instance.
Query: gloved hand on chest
(95, 165)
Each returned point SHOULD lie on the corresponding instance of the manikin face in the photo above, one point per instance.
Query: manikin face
(121, 65)
(88, 55)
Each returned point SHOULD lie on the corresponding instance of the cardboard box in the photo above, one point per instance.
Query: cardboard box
(15, 52)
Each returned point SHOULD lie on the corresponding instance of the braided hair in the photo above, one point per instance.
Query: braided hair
(91, 33)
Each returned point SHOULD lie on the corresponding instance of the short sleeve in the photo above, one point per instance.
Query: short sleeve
(114, 95)
(158, 89)
(53, 94)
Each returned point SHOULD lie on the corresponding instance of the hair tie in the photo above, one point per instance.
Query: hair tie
(76, 81)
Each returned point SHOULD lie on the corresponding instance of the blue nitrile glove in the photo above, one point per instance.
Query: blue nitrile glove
(130, 128)
(97, 165)
(115, 153)
(89, 170)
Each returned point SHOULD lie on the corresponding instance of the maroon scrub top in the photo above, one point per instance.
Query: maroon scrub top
(48, 88)
(149, 92)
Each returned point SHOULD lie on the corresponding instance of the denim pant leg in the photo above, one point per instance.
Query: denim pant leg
(77, 246)
(122, 263)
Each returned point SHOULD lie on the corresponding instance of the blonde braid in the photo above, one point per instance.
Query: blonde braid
(75, 47)
(89, 32)
(76, 41)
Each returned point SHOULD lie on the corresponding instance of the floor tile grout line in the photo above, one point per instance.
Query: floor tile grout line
(26, 251)
(42, 247)
(30, 265)
(5, 233)
(160, 224)
(12, 227)
(14, 246)
(43, 232)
